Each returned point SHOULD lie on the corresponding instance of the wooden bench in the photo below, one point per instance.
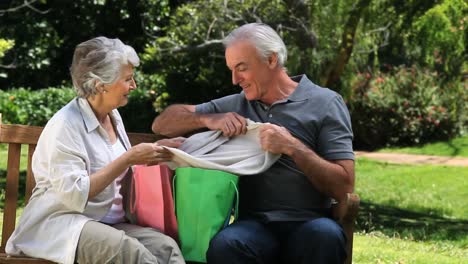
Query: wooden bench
(16, 135)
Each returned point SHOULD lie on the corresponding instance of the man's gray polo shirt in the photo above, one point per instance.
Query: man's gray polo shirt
(315, 115)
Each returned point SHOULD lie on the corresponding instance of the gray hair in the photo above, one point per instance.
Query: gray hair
(263, 37)
(99, 61)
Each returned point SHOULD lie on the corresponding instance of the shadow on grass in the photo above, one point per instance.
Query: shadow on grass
(22, 188)
(393, 221)
(455, 149)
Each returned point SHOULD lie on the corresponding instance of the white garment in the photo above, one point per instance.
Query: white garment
(71, 147)
(240, 155)
(116, 213)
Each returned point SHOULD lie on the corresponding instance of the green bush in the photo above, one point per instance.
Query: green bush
(36, 107)
(144, 102)
(405, 106)
(23, 106)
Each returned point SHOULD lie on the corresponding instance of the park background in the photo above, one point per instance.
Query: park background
(400, 65)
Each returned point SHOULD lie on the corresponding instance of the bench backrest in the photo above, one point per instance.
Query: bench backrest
(15, 136)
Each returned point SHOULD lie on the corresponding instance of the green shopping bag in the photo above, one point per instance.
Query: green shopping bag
(203, 202)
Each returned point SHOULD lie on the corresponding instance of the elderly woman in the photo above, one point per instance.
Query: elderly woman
(82, 166)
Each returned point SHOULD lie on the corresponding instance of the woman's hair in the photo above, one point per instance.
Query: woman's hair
(99, 61)
(263, 37)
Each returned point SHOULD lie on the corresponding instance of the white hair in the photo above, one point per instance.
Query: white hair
(263, 37)
(99, 61)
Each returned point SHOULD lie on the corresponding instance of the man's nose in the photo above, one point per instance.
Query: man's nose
(235, 78)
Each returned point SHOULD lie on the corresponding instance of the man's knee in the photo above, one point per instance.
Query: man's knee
(223, 244)
(243, 242)
(326, 231)
(321, 241)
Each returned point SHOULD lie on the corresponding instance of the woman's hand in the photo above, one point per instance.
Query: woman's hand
(148, 153)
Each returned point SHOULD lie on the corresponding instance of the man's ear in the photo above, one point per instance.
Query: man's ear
(273, 61)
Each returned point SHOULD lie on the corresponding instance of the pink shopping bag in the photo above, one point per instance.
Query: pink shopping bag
(153, 202)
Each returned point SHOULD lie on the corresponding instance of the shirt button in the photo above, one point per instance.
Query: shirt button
(270, 115)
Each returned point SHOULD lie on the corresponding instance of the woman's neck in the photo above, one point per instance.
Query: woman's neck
(99, 108)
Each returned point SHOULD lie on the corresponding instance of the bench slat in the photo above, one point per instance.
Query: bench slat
(19, 134)
(30, 182)
(137, 138)
(4, 259)
(11, 192)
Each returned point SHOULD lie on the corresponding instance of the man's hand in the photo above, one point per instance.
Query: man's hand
(277, 140)
(232, 124)
(171, 142)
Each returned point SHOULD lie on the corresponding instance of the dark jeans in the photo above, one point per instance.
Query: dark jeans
(320, 240)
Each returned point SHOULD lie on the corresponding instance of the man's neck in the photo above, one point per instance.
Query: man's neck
(281, 87)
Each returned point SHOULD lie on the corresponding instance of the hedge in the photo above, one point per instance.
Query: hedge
(24, 106)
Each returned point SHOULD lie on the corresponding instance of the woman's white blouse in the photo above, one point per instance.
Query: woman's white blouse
(116, 213)
(71, 147)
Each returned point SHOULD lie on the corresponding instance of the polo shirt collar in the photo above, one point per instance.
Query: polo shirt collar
(302, 92)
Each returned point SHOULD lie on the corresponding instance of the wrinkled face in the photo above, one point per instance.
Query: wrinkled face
(117, 93)
(248, 69)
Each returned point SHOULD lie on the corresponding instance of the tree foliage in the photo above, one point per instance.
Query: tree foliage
(46, 35)
(5, 45)
(440, 35)
(179, 42)
(190, 55)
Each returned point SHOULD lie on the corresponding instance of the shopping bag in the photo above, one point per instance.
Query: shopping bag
(204, 200)
(153, 203)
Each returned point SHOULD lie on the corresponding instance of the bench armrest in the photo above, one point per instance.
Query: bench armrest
(346, 211)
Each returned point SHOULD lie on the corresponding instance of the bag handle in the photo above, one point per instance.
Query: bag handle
(133, 193)
(236, 210)
(173, 193)
(236, 207)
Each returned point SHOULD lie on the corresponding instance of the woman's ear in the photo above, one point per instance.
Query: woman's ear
(100, 87)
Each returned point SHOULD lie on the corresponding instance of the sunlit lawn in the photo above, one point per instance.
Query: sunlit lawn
(457, 147)
(411, 214)
(378, 248)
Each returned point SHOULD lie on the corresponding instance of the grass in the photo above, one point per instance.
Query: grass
(4, 155)
(378, 248)
(411, 213)
(428, 189)
(457, 147)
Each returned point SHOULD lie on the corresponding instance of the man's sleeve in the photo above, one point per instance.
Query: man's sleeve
(225, 104)
(335, 141)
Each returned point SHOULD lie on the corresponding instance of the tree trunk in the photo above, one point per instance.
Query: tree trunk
(336, 68)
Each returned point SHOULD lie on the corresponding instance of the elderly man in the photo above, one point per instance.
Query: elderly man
(284, 211)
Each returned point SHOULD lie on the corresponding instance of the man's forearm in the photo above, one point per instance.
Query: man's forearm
(331, 178)
(177, 120)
